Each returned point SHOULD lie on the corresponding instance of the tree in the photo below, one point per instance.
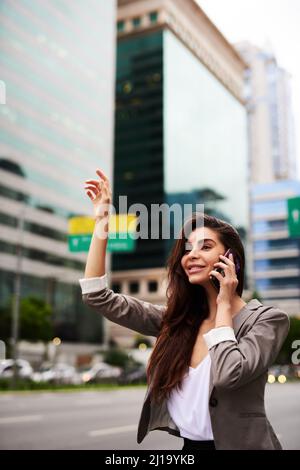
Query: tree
(35, 320)
(256, 295)
(253, 295)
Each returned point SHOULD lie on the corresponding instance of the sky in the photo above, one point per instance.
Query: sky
(271, 23)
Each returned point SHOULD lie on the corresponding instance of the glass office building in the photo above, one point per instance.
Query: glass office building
(57, 62)
(181, 137)
(276, 254)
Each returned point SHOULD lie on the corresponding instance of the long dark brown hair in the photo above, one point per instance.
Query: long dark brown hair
(187, 307)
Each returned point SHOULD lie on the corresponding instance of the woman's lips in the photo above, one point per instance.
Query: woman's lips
(196, 269)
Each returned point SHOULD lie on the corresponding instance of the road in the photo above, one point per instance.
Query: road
(108, 420)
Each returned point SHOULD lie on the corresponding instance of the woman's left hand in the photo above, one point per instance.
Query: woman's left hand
(228, 282)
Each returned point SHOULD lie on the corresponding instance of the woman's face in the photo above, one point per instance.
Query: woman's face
(202, 251)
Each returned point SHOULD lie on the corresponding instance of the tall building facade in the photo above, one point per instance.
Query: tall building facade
(271, 123)
(58, 64)
(276, 255)
(181, 127)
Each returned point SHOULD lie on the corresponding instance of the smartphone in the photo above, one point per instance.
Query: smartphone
(214, 280)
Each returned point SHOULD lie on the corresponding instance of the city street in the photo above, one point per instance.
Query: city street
(108, 420)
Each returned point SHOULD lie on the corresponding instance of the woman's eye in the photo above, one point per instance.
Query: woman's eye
(206, 247)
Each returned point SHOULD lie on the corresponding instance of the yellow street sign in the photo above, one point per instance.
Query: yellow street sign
(125, 223)
(122, 223)
(81, 225)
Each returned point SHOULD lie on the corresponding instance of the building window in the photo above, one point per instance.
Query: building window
(153, 16)
(116, 287)
(136, 22)
(152, 286)
(120, 26)
(133, 287)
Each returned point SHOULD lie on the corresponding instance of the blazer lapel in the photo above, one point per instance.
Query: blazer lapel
(238, 320)
(244, 314)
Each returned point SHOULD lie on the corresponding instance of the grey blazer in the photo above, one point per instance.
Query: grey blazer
(238, 370)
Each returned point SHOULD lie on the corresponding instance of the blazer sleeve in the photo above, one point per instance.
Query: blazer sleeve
(135, 314)
(236, 363)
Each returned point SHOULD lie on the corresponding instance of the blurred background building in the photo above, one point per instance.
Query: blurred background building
(181, 127)
(58, 63)
(273, 170)
(276, 255)
(271, 121)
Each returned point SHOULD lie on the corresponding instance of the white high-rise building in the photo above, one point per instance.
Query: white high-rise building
(271, 125)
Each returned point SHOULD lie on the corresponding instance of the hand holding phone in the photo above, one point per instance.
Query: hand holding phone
(215, 282)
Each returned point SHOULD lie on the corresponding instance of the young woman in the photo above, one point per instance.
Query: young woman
(208, 369)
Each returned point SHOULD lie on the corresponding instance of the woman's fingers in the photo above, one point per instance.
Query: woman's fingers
(92, 186)
(227, 260)
(96, 189)
(96, 182)
(221, 265)
(90, 194)
(103, 179)
(229, 263)
(217, 275)
(226, 268)
(101, 174)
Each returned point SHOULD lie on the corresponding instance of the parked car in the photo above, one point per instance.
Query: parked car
(281, 373)
(24, 369)
(133, 376)
(59, 373)
(101, 372)
(296, 370)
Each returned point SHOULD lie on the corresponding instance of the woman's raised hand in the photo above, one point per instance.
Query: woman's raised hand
(99, 192)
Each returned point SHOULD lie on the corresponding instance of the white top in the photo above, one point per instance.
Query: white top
(189, 407)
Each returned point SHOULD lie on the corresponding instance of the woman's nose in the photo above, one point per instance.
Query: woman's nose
(194, 253)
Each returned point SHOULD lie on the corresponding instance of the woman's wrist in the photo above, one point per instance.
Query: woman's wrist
(101, 228)
(224, 305)
(223, 316)
(98, 218)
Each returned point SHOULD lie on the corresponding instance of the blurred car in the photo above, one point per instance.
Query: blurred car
(24, 369)
(281, 373)
(101, 372)
(133, 376)
(59, 373)
(296, 370)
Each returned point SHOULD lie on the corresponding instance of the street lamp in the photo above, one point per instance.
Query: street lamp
(16, 297)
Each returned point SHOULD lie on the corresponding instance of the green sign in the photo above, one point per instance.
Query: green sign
(79, 242)
(121, 228)
(121, 242)
(116, 243)
(294, 216)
